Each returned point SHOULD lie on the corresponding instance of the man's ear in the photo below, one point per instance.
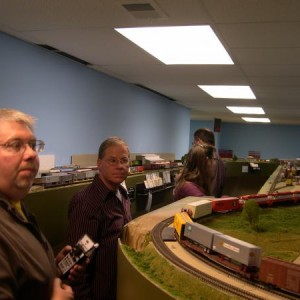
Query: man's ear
(99, 161)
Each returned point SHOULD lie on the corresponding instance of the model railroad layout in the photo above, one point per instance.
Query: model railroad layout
(233, 256)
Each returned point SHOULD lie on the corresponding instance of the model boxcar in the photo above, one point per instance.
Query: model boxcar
(226, 204)
(198, 208)
(237, 250)
(77, 176)
(281, 197)
(296, 196)
(260, 199)
(281, 274)
(65, 178)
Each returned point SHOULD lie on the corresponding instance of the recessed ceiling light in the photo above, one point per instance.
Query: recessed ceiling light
(257, 120)
(228, 91)
(179, 44)
(246, 110)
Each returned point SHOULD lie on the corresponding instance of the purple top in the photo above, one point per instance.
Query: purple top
(189, 189)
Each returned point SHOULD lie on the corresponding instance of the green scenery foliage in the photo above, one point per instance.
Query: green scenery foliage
(178, 284)
(250, 214)
(278, 235)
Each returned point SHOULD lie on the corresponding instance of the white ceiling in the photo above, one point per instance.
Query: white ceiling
(261, 36)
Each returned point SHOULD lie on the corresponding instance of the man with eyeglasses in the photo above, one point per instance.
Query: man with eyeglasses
(101, 210)
(27, 265)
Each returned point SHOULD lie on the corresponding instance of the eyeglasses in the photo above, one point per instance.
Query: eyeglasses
(16, 146)
(114, 162)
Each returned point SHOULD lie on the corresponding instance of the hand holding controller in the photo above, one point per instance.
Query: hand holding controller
(83, 249)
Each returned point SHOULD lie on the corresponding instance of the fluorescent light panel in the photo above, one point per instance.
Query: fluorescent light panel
(228, 91)
(246, 110)
(257, 120)
(179, 44)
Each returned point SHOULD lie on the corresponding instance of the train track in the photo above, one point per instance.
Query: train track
(156, 235)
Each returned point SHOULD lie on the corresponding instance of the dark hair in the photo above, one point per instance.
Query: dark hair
(196, 169)
(205, 135)
(111, 141)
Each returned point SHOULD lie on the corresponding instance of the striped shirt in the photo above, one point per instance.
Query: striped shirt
(97, 211)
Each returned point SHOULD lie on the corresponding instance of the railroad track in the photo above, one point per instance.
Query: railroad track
(156, 235)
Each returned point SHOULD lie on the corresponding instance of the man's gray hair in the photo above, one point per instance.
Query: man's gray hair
(111, 141)
(9, 114)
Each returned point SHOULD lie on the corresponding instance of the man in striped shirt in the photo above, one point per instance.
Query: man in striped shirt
(101, 210)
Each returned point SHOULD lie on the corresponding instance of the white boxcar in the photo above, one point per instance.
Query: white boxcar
(198, 208)
(235, 249)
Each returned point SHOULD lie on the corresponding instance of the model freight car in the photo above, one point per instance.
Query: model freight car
(238, 251)
(272, 198)
(281, 197)
(296, 196)
(226, 204)
(198, 208)
(201, 235)
(77, 176)
(232, 253)
(260, 199)
(280, 274)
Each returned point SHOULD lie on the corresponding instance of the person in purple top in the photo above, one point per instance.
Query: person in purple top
(195, 178)
(101, 210)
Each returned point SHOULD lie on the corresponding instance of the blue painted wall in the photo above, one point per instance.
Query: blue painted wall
(78, 107)
(272, 141)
